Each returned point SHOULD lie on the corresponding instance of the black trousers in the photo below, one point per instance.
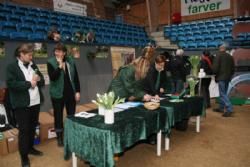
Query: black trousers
(58, 105)
(205, 91)
(27, 120)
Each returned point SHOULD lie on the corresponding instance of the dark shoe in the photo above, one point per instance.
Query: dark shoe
(25, 161)
(218, 110)
(227, 114)
(59, 143)
(35, 152)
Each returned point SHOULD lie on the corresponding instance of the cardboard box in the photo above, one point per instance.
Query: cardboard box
(3, 147)
(80, 108)
(11, 137)
(91, 106)
(46, 124)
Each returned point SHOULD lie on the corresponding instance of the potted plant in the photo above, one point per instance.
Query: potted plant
(106, 103)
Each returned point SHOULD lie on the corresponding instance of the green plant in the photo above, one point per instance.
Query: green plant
(192, 82)
(107, 100)
(194, 60)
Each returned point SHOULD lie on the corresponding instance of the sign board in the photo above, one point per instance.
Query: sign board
(192, 7)
(67, 6)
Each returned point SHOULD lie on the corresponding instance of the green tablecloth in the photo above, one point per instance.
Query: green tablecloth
(177, 111)
(97, 142)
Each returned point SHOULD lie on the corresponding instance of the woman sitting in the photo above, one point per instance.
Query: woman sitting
(156, 77)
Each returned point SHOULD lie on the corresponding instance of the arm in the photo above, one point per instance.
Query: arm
(215, 65)
(150, 79)
(41, 81)
(13, 82)
(163, 79)
(127, 77)
(53, 73)
(76, 80)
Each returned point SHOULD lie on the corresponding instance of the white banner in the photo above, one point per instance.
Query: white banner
(70, 7)
(192, 7)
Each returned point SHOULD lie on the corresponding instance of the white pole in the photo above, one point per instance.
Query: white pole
(198, 122)
(74, 160)
(158, 145)
(167, 143)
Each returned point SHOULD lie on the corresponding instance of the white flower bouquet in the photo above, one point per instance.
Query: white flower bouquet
(107, 100)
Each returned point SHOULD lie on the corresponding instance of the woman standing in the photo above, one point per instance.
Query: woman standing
(64, 86)
(206, 64)
(24, 82)
(128, 81)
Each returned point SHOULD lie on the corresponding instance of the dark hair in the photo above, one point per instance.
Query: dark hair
(51, 33)
(160, 59)
(166, 54)
(206, 53)
(24, 48)
(60, 46)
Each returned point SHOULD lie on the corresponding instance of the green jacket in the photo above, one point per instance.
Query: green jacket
(223, 66)
(124, 84)
(57, 84)
(18, 86)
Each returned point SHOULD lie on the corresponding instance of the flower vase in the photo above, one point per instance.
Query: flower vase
(195, 72)
(109, 116)
(101, 110)
(192, 90)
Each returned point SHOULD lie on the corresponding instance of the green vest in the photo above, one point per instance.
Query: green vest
(57, 86)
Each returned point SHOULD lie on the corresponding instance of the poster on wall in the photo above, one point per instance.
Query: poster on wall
(192, 7)
(121, 56)
(74, 50)
(43, 69)
(67, 6)
(2, 50)
(40, 50)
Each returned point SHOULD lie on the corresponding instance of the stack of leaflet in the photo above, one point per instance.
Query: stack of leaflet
(126, 105)
(84, 114)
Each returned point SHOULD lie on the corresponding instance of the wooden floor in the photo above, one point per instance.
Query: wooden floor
(222, 142)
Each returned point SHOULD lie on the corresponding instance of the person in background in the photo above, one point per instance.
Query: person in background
(54, 35)
(128, 81)
(90, 37)
(78, 37)
(223, 67)
(156, 77)
(177, 72)
(64, 86)
(169, 82)
(24, 82)
(206, 65)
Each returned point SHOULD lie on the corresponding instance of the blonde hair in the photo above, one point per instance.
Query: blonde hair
(142, 63)
(141, 67)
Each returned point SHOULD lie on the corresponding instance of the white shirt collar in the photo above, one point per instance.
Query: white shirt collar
(20, 63)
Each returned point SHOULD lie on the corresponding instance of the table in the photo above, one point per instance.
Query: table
(192, 106)
(96, 142)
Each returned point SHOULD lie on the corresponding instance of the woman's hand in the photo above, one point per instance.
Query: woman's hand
(147, 97)
(162, 90)
(131, 98)
(77, 96)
